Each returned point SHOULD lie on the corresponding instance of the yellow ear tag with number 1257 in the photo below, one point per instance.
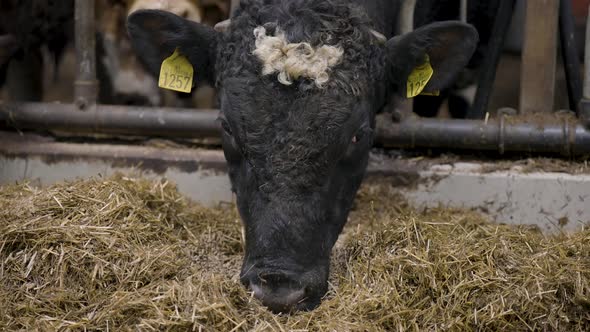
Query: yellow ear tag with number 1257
(419, 78)
(176, 73)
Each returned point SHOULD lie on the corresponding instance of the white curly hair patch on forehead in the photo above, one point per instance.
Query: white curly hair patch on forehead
(294, 60)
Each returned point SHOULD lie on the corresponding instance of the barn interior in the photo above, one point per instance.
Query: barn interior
(116, 211)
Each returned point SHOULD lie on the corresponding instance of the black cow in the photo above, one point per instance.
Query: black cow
(26, 26)
(481, 14)
(300, 82)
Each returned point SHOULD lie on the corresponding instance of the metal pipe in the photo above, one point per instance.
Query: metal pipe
(585, 103)
(503, 135)
(565, 136)
(464, 11)
(86, 85)
(407, 16)
(586, 91)
(490, 63)
(103, 119)
(569, 52)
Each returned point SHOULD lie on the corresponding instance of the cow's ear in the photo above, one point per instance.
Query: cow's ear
(156, 34)
(448, 46)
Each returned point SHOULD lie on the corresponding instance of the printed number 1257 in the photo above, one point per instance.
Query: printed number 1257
(175, 81)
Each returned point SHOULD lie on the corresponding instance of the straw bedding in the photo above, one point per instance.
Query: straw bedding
(126, 254)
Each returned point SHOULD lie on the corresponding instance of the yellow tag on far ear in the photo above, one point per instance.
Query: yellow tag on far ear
(419, 78)
(176, 73)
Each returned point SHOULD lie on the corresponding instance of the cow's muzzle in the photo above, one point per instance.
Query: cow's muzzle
(282, 292)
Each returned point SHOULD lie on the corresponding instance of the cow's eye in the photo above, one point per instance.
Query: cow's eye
(361, 137)
(226, 127)
(358, 136)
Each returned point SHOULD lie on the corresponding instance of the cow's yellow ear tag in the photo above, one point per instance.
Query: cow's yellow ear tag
(419, 78)
(176, 73)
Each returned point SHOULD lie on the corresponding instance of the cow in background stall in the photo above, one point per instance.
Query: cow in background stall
(460, 95)
(27, 28)
(37, 57)
(128, 82)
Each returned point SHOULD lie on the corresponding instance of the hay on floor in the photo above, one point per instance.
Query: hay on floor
(126, 254)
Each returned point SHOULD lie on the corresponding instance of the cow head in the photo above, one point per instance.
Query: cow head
(299, 84)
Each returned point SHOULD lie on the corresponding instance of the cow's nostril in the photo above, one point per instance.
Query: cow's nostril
(274, 278)
(279, 298)
(279, 292)
(283, 291)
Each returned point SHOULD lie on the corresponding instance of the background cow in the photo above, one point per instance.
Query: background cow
(459, 96)
(27, 26)
(124, 81)
(37, 56)
(300, 82)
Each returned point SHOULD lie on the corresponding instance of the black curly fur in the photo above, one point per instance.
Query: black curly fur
(266, 104)
(332, 22)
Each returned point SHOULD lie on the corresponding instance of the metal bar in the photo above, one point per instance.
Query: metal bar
(490, 64)
(585, 103)
(586, 92)
(140, 121)
(464, 11)
(86, 85)
(569, 52)
(539, 57)
(565, 136)
(407, 16)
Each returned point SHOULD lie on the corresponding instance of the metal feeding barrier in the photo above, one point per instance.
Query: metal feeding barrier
(568, 136)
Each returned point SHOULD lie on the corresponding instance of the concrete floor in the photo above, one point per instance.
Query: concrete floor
(551, 200)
